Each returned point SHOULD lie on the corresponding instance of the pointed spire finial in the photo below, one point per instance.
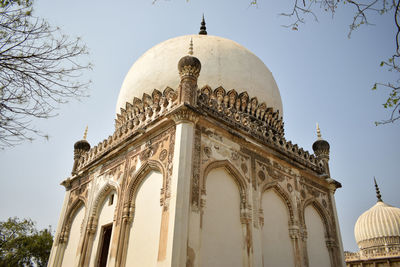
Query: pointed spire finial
(203, 30)
(191, 47)
(85, 134)
(378, 193)
(319, 132)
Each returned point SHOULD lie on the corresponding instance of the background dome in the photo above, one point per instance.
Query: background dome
(223, 63)
(378, 226)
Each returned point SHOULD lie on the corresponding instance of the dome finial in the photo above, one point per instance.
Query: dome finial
(191, 47)
(378, 193)
(203, 27)
(319, 132)
(85, 133)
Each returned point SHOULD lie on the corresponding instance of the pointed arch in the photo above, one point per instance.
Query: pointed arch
(231, 169)
(140, 175)
(283, 195)
(101, 195)
(321, 212)
(70, 215)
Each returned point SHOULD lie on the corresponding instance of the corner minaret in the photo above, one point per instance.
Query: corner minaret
(80, 148)
(189, 70)
(321, 150)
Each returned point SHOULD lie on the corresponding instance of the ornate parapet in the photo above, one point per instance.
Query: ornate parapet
(132, 121)
(260, 121)
(241, 110)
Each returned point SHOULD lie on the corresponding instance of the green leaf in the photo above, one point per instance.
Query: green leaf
(382, 63)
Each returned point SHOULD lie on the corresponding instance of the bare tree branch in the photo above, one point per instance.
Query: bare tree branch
(40, 68)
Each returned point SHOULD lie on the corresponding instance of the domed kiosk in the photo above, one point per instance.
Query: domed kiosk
(198, 171)
(377, 233)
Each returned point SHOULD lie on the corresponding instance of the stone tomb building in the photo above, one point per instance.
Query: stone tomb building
(198, 171)
(377, 233)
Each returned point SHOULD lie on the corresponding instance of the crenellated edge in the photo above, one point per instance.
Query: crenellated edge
(236, 109)
(240, 108)
(140, 110)
(263, 123)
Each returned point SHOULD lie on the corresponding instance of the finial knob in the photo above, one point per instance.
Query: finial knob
(378, 193)
(189, 66)
(203, 30)
(319, 132)
(85, 133)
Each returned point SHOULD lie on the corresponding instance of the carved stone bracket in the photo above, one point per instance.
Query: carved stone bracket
(184, 114)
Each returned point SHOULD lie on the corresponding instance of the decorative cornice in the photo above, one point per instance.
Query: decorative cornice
(261, 122)
(240, 109)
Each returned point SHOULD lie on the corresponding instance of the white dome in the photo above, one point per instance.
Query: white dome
(378, 225)
(223, 63)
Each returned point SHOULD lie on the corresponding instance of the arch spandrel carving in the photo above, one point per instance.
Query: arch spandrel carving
(69, 218)
(238, 179)
(285, 197)
(322, 212)
(139, 176)
(101, 195)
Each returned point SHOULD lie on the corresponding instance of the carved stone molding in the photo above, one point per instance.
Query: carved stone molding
(184, 114)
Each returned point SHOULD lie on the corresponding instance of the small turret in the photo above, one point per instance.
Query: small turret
(321, 151)
(80, 147)
(189, 70)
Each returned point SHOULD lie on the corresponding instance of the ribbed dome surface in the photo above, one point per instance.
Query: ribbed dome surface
(223, 63)
(380, 221)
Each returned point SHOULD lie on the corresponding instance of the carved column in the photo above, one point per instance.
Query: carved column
(338, 251)
(58, 248)
(178, 218)
(87, 242)
(123, 241)
(294, 233)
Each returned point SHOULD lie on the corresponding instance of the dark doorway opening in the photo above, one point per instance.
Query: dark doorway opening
(105, 244)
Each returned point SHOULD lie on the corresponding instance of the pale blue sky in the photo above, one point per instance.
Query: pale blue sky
(323, 77)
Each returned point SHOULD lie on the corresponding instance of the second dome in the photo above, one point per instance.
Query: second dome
(223, 63)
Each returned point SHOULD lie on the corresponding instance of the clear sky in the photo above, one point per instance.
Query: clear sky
(322, 75)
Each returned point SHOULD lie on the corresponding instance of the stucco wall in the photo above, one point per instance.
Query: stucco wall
(277, 246)
(318, 255)
(145, 231)
(221, 234)
(70, 258)
(106, 216)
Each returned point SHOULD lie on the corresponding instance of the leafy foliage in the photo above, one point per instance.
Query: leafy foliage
(21, 244)
(39, 68)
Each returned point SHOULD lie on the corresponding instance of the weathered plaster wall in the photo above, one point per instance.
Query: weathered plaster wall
(221, 237)
(145, 230)
(318, 255)
(70, 253)
(277, 246)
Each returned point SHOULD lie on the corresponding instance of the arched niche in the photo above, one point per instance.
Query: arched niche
(102, 219)
(222, 242)
(142, 246)
(277, 247)
(73, 233)
(317, 234)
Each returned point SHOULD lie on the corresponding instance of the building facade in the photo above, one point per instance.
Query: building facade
(198, 171)
(377, 233)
